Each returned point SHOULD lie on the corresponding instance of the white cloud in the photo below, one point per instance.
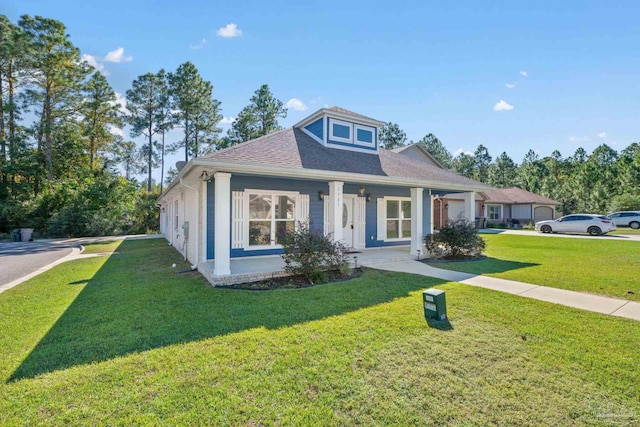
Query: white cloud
(118, 56)
(227, 120)
(229, 31)
(524, 73)
(116, 131)
(602, 135)
(93, 61)
(199, 45)
(296, 104)
(122, 102)
(502, 106)
(510, 85)
(579, 139)
(461, 151)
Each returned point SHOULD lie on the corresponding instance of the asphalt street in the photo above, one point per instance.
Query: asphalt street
(17, 259)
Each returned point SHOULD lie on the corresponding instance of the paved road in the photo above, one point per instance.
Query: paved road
(608, 236)
(17, 259)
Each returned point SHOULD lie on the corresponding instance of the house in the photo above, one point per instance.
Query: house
(328, 168)
(502, 205)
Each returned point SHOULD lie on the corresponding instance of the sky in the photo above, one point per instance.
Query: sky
(513, 76)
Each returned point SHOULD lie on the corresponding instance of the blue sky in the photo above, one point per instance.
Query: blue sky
(566, 73)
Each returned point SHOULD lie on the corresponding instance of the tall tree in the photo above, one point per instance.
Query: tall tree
(464, 163)
(57, 83)
(503, 172)
(482, 160)
(126, 153)
(165, 120)
(100, 112)
(257, 119)
(143, 104)
(391, 136)
(530, 173)
(437, 149)
(195, 109)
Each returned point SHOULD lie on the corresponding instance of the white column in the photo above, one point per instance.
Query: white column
(222, 225)
(416, 221)
(335, 209)
(470, 206)
(203, 221)
(431, 220)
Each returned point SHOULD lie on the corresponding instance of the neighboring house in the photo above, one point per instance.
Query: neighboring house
(328, 168)
(502, 205)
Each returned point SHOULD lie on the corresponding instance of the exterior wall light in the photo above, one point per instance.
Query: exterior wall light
(361, 190)
(321, 195)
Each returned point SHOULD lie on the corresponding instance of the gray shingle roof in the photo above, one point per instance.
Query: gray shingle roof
(351, 113)
(292, 148)
(517, 195)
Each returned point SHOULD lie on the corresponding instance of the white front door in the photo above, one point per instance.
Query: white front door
(348, 226)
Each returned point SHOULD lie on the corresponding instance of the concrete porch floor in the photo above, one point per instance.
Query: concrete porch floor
(253, 269)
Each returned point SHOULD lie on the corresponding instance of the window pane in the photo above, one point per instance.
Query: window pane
(406, 209)
(392, 229)
(259, 232)
(259, 206)
(406, 228)
(392, 209)
(285, 207)
(341, 131)
(282, 229)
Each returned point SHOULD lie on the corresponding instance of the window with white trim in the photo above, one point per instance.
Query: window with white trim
(495, 211)
(175, 208)
(340, 131)
(270, 217)
(398, 218)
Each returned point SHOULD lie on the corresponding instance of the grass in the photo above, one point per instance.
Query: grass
(600, 266)
(125, 340)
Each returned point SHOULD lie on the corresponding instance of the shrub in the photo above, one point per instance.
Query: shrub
(310, 254)
(529, 226)
(458, 239)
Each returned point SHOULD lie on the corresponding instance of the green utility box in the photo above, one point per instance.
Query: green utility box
(435, 305)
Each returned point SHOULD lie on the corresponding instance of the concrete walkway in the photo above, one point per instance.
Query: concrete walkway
(584, 301)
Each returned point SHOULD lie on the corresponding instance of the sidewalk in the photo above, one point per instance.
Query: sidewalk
(589, 302)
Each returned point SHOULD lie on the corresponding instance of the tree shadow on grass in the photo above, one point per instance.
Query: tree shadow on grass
(484, 266)
(136, 302)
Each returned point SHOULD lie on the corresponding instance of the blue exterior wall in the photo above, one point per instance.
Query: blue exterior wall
(316, 128)
(316, 207)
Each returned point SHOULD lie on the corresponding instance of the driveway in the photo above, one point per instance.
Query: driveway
(18, 259)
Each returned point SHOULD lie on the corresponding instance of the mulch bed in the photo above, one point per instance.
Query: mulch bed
(294, 282)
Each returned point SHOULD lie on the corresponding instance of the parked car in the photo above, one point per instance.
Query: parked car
(595, 225)
(626, 219)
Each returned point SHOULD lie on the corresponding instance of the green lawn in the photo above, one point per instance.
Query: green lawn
(125, 340)
(601, 266)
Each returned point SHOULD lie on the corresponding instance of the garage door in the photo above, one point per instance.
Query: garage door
(542, 213)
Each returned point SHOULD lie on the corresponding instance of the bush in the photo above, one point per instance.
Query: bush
(458, 239)
(310, 254)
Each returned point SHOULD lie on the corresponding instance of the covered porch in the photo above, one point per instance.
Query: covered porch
(253, 269)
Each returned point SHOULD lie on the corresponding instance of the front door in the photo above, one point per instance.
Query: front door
(348, 228)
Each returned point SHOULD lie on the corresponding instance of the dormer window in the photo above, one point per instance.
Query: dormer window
(340, 131)
(338, 128)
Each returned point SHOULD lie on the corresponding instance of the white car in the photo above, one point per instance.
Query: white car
(626, 219)
(595, 225)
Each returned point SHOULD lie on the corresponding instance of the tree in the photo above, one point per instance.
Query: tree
(391, 136)
(143, 104)
(481, 163)
(437, 149)
(530, 173)
(503, 172)
(57, 83)
(195, 109)
(100, 111)
(257, 119)
(464, 163)
(126, 153)
(165, 121)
